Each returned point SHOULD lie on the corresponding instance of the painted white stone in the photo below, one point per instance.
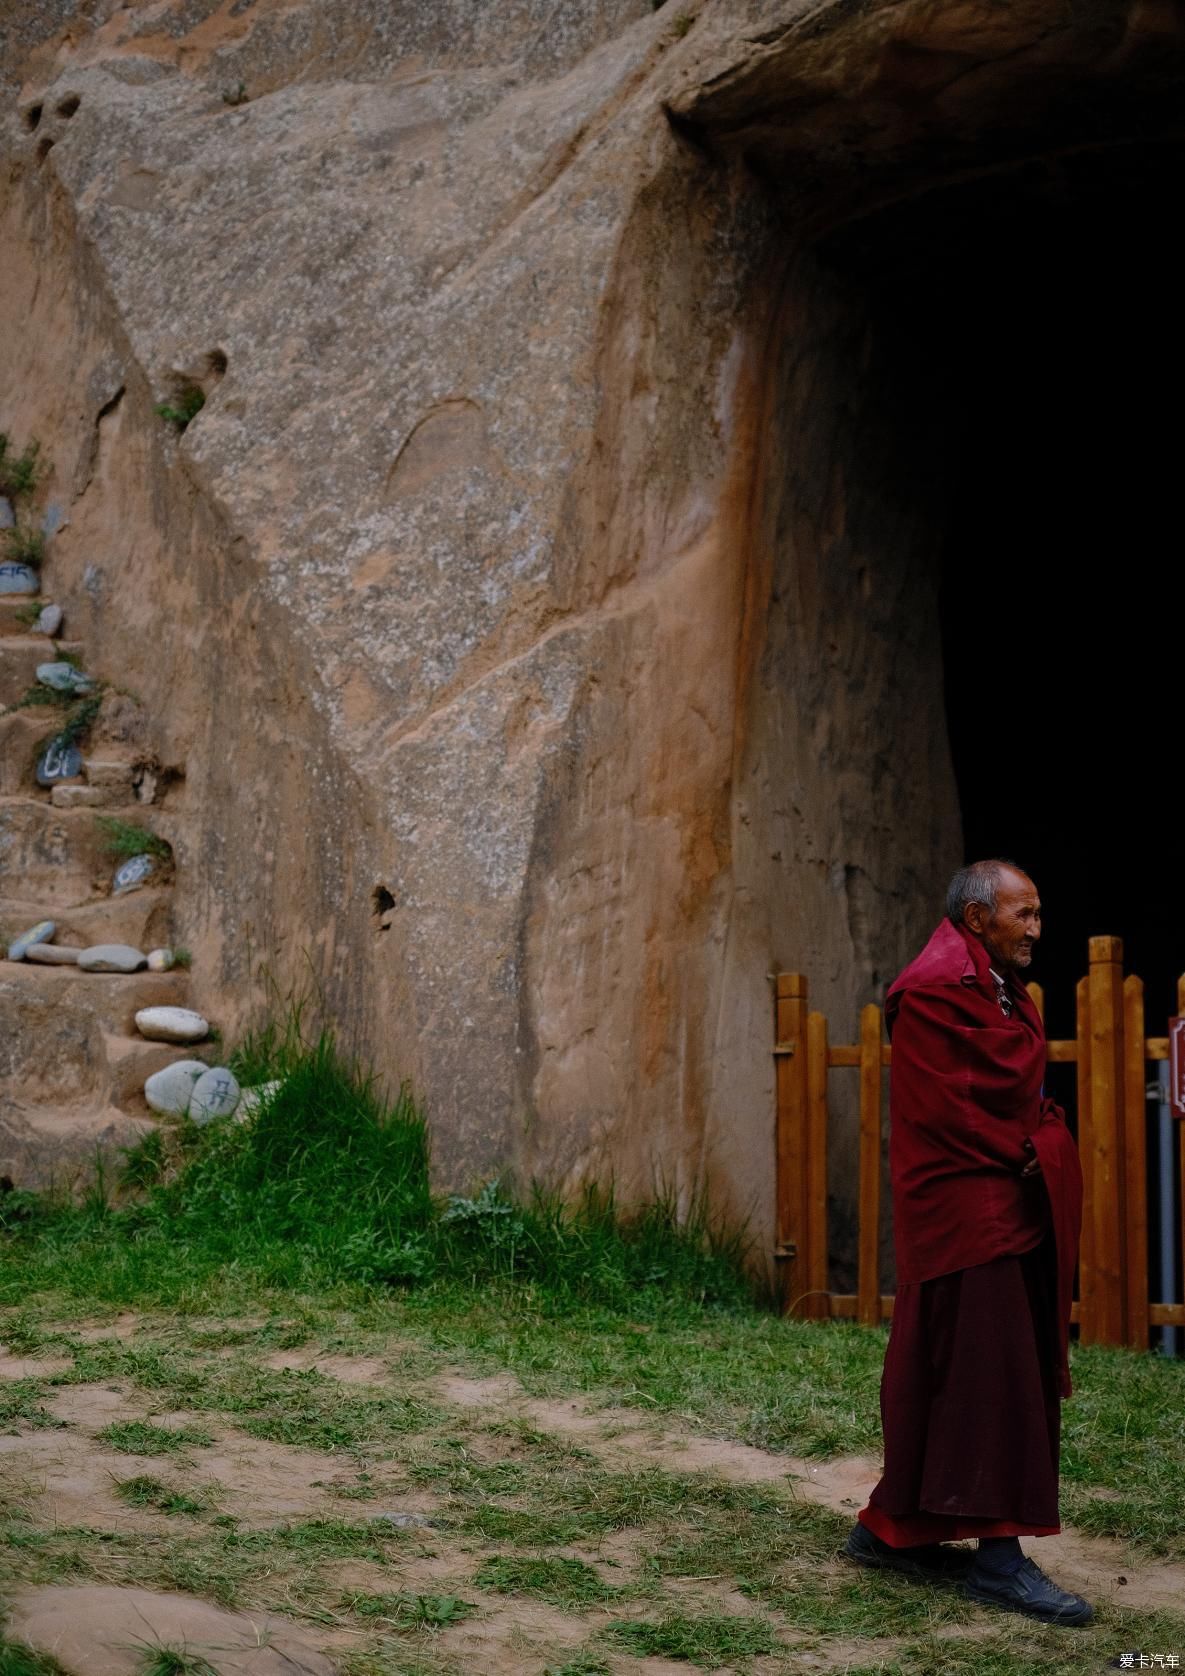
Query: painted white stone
(52, 954)
(170, 1091)
(130, 875)
(112, 957)
(214, 1095)
(172, 1024)
(18, 578)
(250, 1100)
(64, 678)
(160, 960)
(39, 933)
(50, 620)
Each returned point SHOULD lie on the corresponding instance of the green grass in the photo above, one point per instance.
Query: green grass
(19, 473)
(184, 407)
(22, 1661)
(121, 840)
(709, 1641)
(411, 1611)
(561, 1582)
(23, 545)
(145, 1491)
(141, 1437)
(171, 1660)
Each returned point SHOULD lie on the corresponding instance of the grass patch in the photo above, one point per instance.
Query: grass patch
(121, 840)
(560, 1582)
(411, 1611)
(23, 1661)
(141, 1437)
(144, 1491)
(184, 408)
(20, 472)
(709, 1641)
(167, 1660)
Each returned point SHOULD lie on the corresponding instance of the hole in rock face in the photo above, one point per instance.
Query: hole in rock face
(382, 901)
(216, 363)
(67, 106)
(44, 146)
(32, 117)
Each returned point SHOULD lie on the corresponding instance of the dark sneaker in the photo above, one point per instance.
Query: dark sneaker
(1027, 1590)
(932, 1561)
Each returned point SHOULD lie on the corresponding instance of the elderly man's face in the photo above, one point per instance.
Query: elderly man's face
(1011, 932)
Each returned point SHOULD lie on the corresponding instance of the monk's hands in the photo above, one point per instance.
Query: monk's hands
(1033, 1167)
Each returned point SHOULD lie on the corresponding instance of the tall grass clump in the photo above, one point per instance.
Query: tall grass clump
(327, 1183)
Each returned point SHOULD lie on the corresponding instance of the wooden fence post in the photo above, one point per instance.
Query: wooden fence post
(1135, 1164)
(816, 1304)
(1087, 1287)
(791, 1063)
(1104, 1139)
(868, 1281)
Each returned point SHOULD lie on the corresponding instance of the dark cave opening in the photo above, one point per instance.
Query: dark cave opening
(1040, 309)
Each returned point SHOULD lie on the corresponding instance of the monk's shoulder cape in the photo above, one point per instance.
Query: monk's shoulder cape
(965, 1098)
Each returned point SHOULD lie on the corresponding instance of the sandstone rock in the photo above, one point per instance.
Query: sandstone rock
(50, 620)
(111, 774)
(131, 874)
(65, 678)
(39, 933)
(216, 1094)
(170, 1091)
(79, 797)
(17, 578)
(172, 1024)
(112, 957)
(161, 960)
(52, 954)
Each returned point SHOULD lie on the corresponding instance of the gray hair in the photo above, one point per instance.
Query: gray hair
(980, 882)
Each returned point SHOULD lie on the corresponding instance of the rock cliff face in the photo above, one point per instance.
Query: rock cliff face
(542, 608)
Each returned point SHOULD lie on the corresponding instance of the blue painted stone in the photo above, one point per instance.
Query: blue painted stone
(64, 678)
(18, 578)
(40, 933)
(7, 517)
(50, 620)
(130, 875)
(54, 520)
(59, 761)
(216, 1094)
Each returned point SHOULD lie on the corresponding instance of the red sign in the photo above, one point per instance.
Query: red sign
(1177, 1066)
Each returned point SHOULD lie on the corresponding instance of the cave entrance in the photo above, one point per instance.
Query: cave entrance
(1039, 308)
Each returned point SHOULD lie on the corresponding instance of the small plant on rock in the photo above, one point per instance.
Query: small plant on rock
(184, 407)
(123, 839)
(236, 95)
(19, 473)
(183, 959)
(23, 545)
(28, 615)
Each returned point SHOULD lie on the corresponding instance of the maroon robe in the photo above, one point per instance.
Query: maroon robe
(977, 1358)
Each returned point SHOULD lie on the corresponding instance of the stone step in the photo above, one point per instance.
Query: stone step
(12, 614)
(48, 1146)
(56, 855)
(142, 918)
(19, 657)
(70, 1037)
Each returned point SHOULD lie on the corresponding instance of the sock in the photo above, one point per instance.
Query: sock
(1001, 1554)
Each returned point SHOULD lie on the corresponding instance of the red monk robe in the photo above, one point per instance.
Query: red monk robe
(977, 1359)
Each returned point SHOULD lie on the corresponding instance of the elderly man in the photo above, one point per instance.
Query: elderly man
(987, 1202)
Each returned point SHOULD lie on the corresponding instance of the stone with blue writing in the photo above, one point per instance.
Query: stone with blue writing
(7, 516)
(214, 1095)
(49, 622)
(131, 874)
(39, 933)
(60, 760)
(65, 678)
(18, 578)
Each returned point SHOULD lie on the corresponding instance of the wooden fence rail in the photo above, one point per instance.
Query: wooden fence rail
(1111, 1053)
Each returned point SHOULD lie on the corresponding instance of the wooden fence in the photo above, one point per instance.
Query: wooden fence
(1111, 1053)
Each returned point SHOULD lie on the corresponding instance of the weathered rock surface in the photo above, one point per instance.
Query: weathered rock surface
(172, 1024)
(561, 642)
(112, 957)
